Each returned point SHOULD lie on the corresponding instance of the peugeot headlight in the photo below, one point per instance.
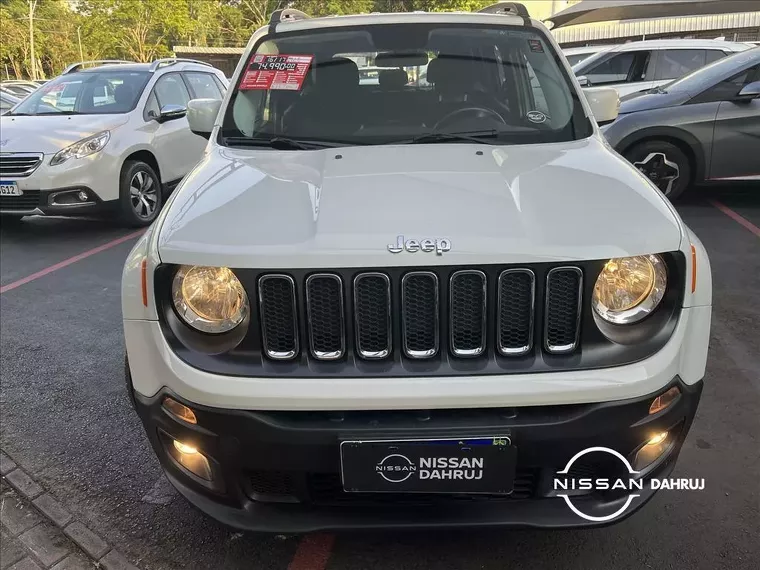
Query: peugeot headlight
(629, 288)
(83, 148)
(209, 299)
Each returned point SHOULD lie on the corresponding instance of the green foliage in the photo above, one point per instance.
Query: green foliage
(143, 30)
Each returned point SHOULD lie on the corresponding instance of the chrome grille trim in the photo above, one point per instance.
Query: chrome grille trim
(325, 355)
(433, 350)
(19, 164)
(565, 348)
(516, 351)
(377, 354)
(273, 354)
(467, 353)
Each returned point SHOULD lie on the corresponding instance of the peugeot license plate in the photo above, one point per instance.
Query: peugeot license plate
(10, 188)
(470, 465)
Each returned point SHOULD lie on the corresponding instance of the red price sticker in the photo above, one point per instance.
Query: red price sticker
(278, 72)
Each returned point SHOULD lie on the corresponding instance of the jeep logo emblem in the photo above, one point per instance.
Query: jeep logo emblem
(438, 245)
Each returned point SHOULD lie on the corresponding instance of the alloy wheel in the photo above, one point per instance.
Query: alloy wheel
(143, 193)
(660, 170)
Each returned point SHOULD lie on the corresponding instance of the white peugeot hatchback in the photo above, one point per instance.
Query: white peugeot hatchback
(413, 305)
(108, 138)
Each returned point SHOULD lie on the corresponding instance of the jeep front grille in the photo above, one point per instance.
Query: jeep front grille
(448, 313)
(279, 316)
(563, 309)
(19, 164)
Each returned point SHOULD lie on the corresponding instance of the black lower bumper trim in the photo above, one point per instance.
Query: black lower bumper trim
(279, 471)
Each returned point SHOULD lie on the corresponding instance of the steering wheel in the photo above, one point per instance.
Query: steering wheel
(478, 112)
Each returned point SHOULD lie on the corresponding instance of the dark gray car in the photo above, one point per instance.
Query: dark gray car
(704, 127)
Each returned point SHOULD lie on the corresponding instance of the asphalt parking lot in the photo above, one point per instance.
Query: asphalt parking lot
(65, 417)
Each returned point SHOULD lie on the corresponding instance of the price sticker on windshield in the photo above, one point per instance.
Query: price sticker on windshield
(277, 72)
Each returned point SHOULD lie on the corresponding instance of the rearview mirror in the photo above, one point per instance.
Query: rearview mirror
(604, 103)
(583, 80)
(171, 113)
(201, 114)
(749, 92)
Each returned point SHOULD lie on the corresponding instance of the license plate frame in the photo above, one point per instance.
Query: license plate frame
(486, 466)
(10, 188)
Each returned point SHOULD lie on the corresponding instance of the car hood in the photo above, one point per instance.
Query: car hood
(647, 101)
(49, 133)
(343, 207)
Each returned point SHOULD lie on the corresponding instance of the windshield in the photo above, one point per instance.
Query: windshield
(86, 93)
(705, 77)
(385, 84)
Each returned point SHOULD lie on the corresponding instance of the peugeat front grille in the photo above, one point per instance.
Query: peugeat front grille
(19, 164)
(419, 313)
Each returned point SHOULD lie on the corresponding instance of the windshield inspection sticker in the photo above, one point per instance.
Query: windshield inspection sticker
(277, 72)
(535, 46)
(536, 117)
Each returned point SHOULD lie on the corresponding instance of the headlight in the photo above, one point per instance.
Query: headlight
(629, 288)
(83, 148)
(209, 299)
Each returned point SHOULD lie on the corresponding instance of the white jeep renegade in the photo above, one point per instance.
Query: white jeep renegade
(110, 138)
(412, 303)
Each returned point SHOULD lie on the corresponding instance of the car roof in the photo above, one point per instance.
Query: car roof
(178, 66)
(586, 49)
(402, 18)
(682, 44)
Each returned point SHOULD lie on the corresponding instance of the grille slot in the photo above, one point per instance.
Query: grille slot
(372, 315)
(467, 313)
(29, 200)
(516, 299)
(279, 322)
(324, 303)
(563, 309)
(19, 165)
(419, 306)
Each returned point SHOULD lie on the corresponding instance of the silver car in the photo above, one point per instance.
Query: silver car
(704, 127)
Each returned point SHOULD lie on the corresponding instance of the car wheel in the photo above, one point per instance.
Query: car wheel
(139, 193)
(664, 164)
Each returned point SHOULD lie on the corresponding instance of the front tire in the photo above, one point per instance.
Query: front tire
(140, 195)
(666, 165)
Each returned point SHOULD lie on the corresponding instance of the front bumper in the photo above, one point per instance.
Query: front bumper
(279, 471)
(56, 202)
(47, 190)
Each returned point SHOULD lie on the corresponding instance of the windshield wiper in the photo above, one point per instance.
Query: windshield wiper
(463, 136)
(279, 143)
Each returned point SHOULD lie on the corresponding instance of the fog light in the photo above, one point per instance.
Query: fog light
(82, 195)
(664, 400)
(191, 459)
(180, 411)
(652, 451)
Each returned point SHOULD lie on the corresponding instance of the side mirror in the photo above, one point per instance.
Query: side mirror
(749, 92)
(171, 112)
(604, 103)
(201, 114)
(583, 80)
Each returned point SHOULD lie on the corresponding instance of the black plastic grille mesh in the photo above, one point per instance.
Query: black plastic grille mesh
(372, 313)
(29, 200)
(325, 305)
(278, 316)
(563, 288)
(420, 311)
(467, 312)
(515, 311)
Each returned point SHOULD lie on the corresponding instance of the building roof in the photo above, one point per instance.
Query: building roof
(633, 28)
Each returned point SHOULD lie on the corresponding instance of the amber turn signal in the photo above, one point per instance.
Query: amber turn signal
(180, 411)
(664, 400)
